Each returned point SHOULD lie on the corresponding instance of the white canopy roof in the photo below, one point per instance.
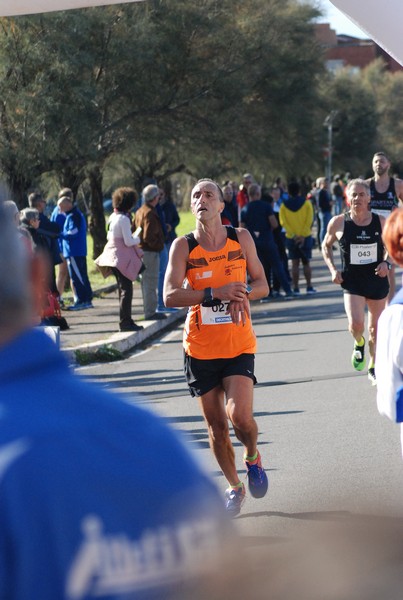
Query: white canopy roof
(382, 21)
(28, 7)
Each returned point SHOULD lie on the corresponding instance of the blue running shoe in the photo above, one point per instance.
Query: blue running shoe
(257, 478)
(234, 500)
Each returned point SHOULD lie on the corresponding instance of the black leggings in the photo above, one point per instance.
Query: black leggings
(125, 287)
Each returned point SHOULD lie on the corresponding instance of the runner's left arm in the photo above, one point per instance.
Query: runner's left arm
(238, 309)
(383, 268)
(257, 277)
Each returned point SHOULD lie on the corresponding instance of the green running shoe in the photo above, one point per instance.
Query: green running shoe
(358, 357)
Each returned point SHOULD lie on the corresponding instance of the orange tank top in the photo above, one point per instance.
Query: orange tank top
(209, 333)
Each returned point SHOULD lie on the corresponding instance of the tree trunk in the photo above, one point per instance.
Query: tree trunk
(70, 178)
(19, 190)
(96, 225)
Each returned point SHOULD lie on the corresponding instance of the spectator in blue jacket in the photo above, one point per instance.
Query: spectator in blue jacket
(59, 217)
(98, 497)
(74, 237)
(169, 220)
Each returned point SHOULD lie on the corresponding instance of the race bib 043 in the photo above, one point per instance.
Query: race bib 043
(363, 254)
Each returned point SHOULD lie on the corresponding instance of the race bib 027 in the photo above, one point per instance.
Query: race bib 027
(215, 315)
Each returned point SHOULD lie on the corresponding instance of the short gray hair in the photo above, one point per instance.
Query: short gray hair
(358, 181)
(27, 214)
(11, 209)
(150, 192)
(15, 301)
(254, 189)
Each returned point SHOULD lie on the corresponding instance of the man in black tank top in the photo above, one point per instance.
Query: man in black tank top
(364, 269)
(386, 195)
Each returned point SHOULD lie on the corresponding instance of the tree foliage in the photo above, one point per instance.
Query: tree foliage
(204, 87)
(387, 89)
(355, 124)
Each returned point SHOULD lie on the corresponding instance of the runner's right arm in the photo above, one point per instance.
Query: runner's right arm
(335, 224)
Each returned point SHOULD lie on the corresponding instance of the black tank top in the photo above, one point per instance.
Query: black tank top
(361, 247)
(383, 202)
(362, 250)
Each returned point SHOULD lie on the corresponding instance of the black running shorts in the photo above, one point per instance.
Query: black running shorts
(204, 375)
(369, 286)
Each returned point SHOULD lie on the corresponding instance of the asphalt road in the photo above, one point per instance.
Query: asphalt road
(328, 452)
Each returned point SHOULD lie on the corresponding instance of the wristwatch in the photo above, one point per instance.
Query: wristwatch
(208, 295)
(208, 299)
(388, 264)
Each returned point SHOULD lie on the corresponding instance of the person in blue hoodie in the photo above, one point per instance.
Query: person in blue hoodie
(74, 237)
(99, 498)
(58, 217)
(296, 216)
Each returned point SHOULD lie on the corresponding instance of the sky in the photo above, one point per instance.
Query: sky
(338, 21)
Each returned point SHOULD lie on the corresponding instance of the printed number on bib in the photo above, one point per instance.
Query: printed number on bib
(215, 315)
(363, 254)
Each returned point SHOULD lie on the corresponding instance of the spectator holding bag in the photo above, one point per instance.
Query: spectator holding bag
(122, 255)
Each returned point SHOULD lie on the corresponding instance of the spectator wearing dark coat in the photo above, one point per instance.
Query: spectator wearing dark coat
(50, 231)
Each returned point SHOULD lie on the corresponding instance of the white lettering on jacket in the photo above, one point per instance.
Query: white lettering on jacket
(115, 564)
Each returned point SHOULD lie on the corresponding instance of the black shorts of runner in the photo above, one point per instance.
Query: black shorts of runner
(371, 287)
(204, 375)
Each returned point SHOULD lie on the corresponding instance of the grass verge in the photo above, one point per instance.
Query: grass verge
(105, 353)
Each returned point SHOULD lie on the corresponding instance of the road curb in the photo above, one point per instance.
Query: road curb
(123, 341)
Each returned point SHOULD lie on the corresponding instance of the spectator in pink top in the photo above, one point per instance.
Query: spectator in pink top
(121, 255)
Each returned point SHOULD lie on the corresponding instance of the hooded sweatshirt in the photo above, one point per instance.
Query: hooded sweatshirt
(296, 216)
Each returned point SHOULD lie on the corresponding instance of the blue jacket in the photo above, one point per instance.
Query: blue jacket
(74, 234)
(171, 218)
(98, 498)
(59, 218)
(256, 215)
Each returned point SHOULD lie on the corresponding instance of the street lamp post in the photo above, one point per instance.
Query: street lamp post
(328, 122)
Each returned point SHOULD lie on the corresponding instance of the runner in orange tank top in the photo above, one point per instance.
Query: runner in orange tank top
(207, 272)
(216, 268)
